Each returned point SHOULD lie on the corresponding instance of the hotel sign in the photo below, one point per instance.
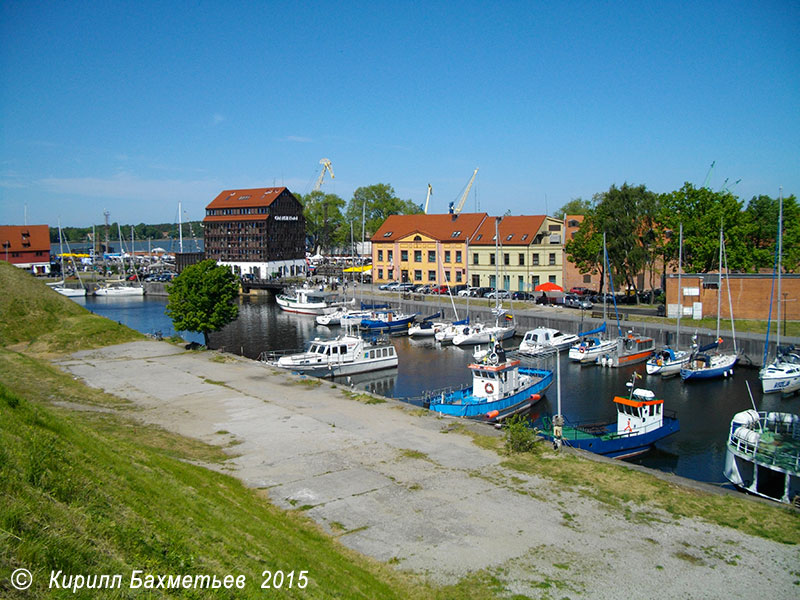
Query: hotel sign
(285, 217)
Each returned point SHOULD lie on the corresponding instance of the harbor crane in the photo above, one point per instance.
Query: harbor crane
(460, 204)
(326, 166)
(428, 198)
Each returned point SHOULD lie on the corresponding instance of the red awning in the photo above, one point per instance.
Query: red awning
(548, 287)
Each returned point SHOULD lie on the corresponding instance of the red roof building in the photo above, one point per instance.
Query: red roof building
(26, 247)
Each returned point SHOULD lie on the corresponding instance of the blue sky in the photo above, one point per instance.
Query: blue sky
(132, 107)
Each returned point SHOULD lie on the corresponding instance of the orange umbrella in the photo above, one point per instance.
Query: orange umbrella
(548, 287)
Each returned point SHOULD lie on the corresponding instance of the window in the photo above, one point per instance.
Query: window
(587, 279)
(431, 255)
(458, 256)
(534, 281)
(552, 279)
(431, 275)
(506, 259)
(380, 273)
(447, 256)
(506, 282)
(508, 238)
(447, 275)
(552, 258)
(491, 259)
(455, 234)
(520, 284)
(524, 236)
(403, 255)
(418, 275)
(243, 198)
(521, 259)
(478, 237)
(535, 260)
(573, 223)
(475, 258)
(458, 275)
(417, 238)
(417, 255)
(380, 255)
(554, 228)
(388, 234)
(389, 255)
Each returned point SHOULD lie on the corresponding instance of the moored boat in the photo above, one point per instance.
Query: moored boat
(479, 333)
(307, 301)
(628, 350)
(344, 355)
(500, 387)
(388, 321)
(641, 422)
(762, 454)
(546, 339)
(119, 290)
(667, 362)
(706, 365)
(590, 348)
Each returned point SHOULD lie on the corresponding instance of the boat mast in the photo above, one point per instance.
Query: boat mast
(680, 291)
(180, 228)
(719, 280)
(496, 269)
(780, 253)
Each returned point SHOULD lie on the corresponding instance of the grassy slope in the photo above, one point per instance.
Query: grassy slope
(92, 492)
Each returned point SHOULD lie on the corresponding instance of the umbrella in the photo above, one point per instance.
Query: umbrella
(548, 287)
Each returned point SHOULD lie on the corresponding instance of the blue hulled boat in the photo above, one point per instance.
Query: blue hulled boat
(500, 388)
(388, 321)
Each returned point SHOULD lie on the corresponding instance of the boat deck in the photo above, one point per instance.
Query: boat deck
(775, 449)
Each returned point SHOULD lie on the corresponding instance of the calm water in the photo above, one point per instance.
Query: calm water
(704, 408)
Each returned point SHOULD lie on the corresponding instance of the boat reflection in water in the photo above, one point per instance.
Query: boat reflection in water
(381, 383)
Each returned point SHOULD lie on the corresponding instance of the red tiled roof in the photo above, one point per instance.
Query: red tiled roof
(24, 238)
(443, 227)
(516, 227)
(246, 198)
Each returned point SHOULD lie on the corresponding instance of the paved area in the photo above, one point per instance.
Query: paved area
(400, 485)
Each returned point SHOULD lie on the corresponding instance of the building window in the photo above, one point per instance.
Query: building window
(418, 275)
(390, 255)
(520, 283)
(380, 255)
(478, 237)
(506, 282)
(403, 255)
(458, 275)
(447, 276)
(475, 258)
(521, 259)
(554, 228)
(491, 259)
(552, 279)
(417, 238)
(587, 279)
(455, 234)
(552, 258)
(388, 234)
(524, 236)
(380, 273)
(404, 276)
(506, 259)
(458, 256)
(431, 275)
(431, 256)
(535, 260)
(534, 281)
(417, 255)
(447, 256)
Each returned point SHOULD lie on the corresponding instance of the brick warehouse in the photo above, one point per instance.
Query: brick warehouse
(749, 295)
(257, 232)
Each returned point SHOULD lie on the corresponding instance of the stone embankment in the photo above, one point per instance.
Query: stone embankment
(401, 485)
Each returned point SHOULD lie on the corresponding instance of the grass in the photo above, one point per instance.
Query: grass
(89, 490)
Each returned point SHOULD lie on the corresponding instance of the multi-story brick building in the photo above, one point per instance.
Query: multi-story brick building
(256, 231)
(26, 247)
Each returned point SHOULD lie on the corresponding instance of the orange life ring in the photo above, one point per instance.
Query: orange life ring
(489, 387)
(581, 349)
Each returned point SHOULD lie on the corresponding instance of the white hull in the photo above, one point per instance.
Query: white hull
(665, 367)
(483, 335)
(545, 339)
(69, 292)
(589, 354)
(120, 291)
(780, 377)
(346, 355)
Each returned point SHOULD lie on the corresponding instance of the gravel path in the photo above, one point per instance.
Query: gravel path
(398, 485)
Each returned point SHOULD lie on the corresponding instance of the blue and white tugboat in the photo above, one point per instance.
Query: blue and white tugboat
(500, 387)
(641, 422)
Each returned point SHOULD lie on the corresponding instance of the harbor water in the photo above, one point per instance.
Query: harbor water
(704, 408)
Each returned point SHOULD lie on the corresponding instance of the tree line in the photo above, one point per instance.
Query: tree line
(163, 231)
(642, 228)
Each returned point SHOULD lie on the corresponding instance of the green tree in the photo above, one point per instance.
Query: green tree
(761, 217)
(378, 202)
(702, 211)
(585, 249)
(201, 298)
(324, 219)
(576, 206)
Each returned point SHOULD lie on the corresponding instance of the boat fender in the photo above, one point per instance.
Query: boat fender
(492, 414)
(536, 397)
(489, 387)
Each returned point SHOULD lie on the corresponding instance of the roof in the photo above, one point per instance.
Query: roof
(246, 198)
(636, 403)
(24, 238)
(443, 227)
(521, 229)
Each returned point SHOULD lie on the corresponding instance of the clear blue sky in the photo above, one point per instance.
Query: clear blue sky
(135, 106)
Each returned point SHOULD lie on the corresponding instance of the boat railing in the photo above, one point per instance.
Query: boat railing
(271, 356)
(783, 455)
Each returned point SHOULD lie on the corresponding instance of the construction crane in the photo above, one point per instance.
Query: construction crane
(428, 198)
(460, 205)
(708, 175)
(326, 166)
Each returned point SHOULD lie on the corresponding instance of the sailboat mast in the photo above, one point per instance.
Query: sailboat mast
(780, 254)
(680, 290)
(719, 280)
(496, 264)
(180, 228)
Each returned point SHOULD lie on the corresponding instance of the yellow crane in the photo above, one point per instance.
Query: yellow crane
(326, 166)
(460, 204)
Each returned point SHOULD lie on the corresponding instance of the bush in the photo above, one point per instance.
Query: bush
(519, 436)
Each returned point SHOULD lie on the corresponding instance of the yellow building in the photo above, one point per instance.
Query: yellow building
(424, 249)
(530, 251)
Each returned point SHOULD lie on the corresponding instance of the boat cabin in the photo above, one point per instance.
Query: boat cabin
(641, 413)
(495, 379)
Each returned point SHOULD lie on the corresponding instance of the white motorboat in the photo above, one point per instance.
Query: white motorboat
(782, 375)
(307, 301)
(70, 292)
(119, 290)
(344, 355)
(763, 454)
(546, 339)
(482, 334)
(342, 316)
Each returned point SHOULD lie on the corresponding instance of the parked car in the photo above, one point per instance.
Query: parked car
(403, 287)
(457, 289)
(481, 292)
(388, 286)
(580, 291)
(423, 289)
(572, 301)
(497, 294)
(523, 296)
(470, 291)
(439, 289)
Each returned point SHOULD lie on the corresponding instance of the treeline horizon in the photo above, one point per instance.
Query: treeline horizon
(141, 232)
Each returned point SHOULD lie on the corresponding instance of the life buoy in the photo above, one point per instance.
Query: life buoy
(489, 387)
(581, 349)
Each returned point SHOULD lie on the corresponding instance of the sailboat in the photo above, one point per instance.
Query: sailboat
(60, 286)
(783, 373)
(668, 362)
(704, 365)
(118, 288)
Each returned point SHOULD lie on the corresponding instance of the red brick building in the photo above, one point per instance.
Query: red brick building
(749, 296)
(26, 247)
(572, 276)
